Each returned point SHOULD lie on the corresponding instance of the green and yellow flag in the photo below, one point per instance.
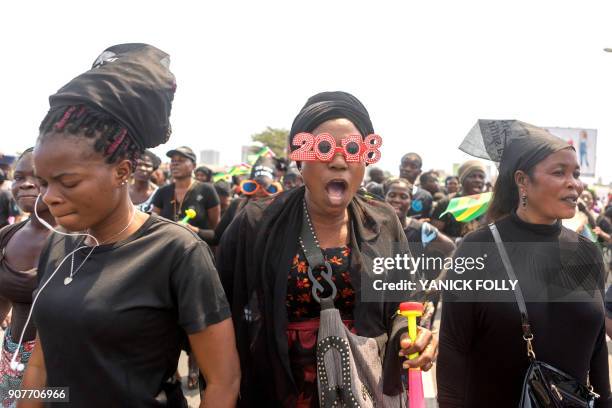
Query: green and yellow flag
(240, 169)
(467, 208)
(264, 151)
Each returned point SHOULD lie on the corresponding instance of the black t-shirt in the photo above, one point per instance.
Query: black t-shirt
(114, 334)
(419, 235)
(422, 201)
(200, 197)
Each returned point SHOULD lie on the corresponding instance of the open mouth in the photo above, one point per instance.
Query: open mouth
(570, 200)
(336, 190)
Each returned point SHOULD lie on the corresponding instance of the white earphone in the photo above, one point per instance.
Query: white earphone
(20, 366)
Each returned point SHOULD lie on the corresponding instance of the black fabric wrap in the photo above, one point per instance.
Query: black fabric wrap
(515, 145)
(133, 84)
(526, 152)
(326, 106)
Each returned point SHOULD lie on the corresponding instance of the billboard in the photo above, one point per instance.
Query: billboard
(585, 143)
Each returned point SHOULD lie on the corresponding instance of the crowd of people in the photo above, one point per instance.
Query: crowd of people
(114, 260)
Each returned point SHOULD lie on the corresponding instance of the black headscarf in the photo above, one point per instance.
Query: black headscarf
(133, 84)
(326, 106)
(263, 167)
(513, 144)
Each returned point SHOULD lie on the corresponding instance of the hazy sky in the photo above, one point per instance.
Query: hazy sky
(425, 70)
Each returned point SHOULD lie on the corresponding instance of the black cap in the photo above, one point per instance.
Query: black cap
(183, 151)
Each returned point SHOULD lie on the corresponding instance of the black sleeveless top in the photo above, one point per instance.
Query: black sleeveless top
(17, 286)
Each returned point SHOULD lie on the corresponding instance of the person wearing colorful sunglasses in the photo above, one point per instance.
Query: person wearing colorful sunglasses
(259, 189)
(264, 271)
(261, 183)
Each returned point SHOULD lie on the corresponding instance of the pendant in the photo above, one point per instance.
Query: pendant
(67, 280)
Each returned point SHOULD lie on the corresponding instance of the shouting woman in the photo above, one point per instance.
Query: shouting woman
(264, 266)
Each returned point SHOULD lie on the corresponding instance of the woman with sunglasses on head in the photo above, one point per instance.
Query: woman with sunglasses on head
(263, 265)
(117, 301)
(555, 314)
(173, 201)
(20, 246)
(260, 184)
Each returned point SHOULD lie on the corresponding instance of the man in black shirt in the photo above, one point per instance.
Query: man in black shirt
(410, 168)
(173, 200)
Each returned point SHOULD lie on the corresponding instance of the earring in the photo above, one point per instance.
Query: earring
(124, 182)
(524, 200)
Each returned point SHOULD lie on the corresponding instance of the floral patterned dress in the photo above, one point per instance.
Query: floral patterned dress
(303, 315)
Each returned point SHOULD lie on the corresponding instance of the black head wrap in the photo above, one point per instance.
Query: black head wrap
(326, 106)
(263, 167)
(133, 84)
(513, 144)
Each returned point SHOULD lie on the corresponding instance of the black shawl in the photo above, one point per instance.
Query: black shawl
(254, 261)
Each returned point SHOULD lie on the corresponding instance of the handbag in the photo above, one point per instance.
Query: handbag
(349, 367)
(171, 394)
(543, 385)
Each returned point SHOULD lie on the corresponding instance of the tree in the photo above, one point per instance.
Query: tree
(275, 139)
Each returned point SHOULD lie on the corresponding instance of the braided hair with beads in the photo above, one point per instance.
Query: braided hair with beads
(112, 139)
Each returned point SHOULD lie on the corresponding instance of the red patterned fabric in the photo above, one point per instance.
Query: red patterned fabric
(300, 304)
(303, 313)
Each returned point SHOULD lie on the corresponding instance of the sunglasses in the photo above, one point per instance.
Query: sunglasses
(324, 148)
(250, 187)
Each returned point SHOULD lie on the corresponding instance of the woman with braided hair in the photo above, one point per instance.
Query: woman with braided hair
(117, 302)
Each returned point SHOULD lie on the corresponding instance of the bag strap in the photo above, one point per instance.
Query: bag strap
(518, 293)
(311, 250)
(315, 258)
